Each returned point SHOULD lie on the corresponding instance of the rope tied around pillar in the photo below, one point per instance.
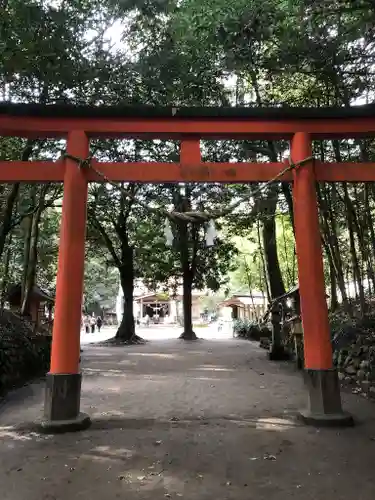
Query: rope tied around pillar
(194, 217)
(83, 163)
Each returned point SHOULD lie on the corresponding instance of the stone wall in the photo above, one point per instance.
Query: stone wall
(353, 340)
(356, 364)
(24, 354)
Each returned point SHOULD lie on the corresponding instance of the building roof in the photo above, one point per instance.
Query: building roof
(231, 302)
(15, 291)
(290, 293)
(241, 300)
(153, 296)
(254, 295)
(293, 292)
(165, 297)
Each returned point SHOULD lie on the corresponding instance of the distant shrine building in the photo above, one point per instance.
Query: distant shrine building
(159, 306)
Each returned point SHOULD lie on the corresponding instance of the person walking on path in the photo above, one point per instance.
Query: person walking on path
(87, 324)
(93, 323)
(147, 320)
(99, 323)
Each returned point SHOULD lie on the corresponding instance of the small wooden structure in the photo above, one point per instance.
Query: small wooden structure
(167, 307)
(39, 301)
(250, 307)
(291, 317)
(297, 332)
(286, 311)
(290, 303)
(109, 316)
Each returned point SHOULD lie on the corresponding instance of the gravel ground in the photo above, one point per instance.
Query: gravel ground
(203, 420)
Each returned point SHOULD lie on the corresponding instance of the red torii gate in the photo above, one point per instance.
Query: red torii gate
(78, 124)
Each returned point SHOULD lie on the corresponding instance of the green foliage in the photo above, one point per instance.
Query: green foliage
(249, 330)
(248, 275)
(210, 301)
(47, 251)
(48, 243)
(286, 250)
(101, 284)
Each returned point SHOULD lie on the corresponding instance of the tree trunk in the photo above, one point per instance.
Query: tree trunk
(7, 217)
(332, 241)
(360, 217)
(188, 333)
(264, 269)
(31, 248)
(286, 189)
(33, 253)
(371, 228)
(290, 274)
(6, 223)
(187, 283)
(126, 330)
(353, 252)
(332, 275)
(352, 227)
(250, 286)
(187, 249)
(27, 225)
(30, 272)
(275, 279)
(5, 280)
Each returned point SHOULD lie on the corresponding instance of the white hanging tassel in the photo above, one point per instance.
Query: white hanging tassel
(211, 234)
(168, 233)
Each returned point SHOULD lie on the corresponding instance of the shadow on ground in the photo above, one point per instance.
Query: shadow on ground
(212, 420)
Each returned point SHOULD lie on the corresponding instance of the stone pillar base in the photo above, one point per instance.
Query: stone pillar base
(62, 404)
(324, 400)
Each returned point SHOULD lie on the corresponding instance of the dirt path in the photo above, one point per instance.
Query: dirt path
(208, 420)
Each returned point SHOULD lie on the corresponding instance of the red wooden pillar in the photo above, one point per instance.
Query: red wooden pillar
(190, 150)
(63, 386)
(321, 378)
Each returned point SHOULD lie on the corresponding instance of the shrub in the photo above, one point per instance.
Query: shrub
(247, 329)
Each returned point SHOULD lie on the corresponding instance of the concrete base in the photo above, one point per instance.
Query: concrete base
(62, 404)
(324, 400)
(80, 423)
(328, 420)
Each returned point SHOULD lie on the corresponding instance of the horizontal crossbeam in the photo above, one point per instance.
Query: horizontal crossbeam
(32, 171)
(49, 171)
(172, 128)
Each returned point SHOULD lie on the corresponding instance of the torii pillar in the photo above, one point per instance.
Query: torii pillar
(324, 400)
(63, 385)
